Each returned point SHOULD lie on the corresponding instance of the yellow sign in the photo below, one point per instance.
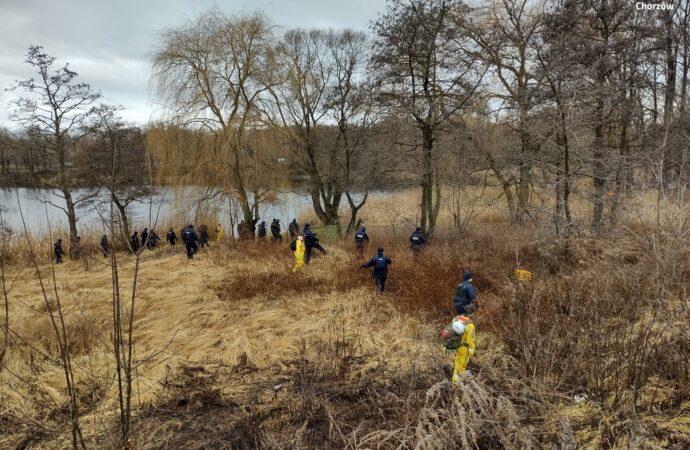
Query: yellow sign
(523, 275)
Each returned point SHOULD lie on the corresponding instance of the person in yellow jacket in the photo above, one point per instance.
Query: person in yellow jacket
(463, 326)
(219, 233)
(299, 253)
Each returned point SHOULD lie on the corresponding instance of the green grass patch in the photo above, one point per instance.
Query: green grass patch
(326, 232)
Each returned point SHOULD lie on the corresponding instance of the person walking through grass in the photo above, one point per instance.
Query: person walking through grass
(171, 237)
(465, 295)
(460, 337)
(417, 241)
(275, 231)
(300, 250)
(58, 251)
(203, 236)
(105, 246)
(463, 327)
(191, 240)
(134, 242)
(361, 239)
(380, 263)
(311, 241)
(293, 229)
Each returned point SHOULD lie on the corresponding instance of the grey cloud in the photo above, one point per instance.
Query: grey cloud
(108, 42)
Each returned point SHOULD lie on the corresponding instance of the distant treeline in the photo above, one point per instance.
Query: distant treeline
(528, 96)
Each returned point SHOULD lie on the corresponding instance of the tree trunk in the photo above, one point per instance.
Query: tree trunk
(505, 185)
(316, 203)
(670, 90)
(72, 220)
(431, 188)
(124, 220)
(684, 80)
(598, 168)
(354, 209)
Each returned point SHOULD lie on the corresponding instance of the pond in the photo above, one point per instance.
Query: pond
(166, 206)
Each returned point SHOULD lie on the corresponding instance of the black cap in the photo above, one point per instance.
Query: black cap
(380, 250)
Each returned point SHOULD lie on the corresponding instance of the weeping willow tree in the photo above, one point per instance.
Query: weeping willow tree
(213, 75)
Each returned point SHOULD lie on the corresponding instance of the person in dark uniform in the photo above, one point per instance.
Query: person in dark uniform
(105, 246)
(144, 238)
(465, 295)
(134, 242)
(275, 231)
(293, 229)
(417, 242)
(361, 239)
(311, 241)
(262, 231)
(380, 263)
(171, 237)
(203, 236)
(190, 239)
(58, 251)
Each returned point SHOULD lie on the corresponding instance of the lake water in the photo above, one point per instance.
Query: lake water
(176, 207)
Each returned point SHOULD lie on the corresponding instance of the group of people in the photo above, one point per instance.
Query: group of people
(192, 240)
(303, 244)
(247, 231)
(459, 336)
(147, 239)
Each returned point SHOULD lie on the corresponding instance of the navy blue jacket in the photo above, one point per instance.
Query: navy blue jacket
(310, 239)
(262, 229)
(465, 294)
(361, 236)
(189, 236)
(275, 228)
(380, 264)
(417, 239)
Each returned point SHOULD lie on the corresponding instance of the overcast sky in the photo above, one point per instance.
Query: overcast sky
(108, 41)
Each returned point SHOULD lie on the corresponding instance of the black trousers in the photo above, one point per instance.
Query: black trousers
(380, 283)
(191, 249)
(465, 309)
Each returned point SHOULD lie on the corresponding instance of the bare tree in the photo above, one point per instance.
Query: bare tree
(117, 156)
(354, 113)
(506, 33)
(303, 104)
(424, 70)
(212, 76)
(56, 108)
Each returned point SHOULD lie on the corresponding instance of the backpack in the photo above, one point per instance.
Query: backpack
(187, 236)
(293, 245)
(359, 237)
(451, 340)
(380, 262)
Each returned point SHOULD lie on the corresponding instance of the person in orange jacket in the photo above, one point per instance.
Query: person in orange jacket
(299, 253)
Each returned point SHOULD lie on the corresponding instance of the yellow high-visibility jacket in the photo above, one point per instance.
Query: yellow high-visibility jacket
(299, 253)
(465, 351)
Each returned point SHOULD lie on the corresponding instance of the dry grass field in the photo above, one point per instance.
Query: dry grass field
(232, 350)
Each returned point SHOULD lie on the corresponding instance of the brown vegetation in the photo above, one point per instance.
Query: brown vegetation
(235, 351)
